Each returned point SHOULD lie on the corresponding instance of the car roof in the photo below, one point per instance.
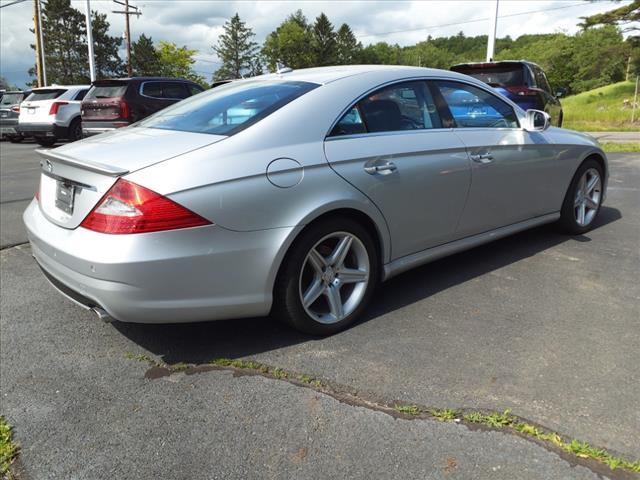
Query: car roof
(144, 79)
(55, 86)
(324, 75)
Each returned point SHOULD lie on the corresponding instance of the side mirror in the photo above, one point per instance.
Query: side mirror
(537, 120)
(561, 92)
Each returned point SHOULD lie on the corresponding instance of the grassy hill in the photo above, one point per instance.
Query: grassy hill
(602, 109)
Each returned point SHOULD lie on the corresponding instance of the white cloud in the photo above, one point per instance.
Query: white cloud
(197, 23)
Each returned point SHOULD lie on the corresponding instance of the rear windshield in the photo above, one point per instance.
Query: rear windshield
(11, 99)
(229, 108)
(48, 94)
(107, 91)
(496, 76)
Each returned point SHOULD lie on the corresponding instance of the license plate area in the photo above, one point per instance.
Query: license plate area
(65, 194)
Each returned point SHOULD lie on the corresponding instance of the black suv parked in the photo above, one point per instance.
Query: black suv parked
(9, 113)
(120, 102)
(522, 82)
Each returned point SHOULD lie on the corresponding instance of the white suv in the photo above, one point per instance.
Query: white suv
(52, 113)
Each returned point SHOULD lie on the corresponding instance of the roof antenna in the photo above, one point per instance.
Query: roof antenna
(282, 68)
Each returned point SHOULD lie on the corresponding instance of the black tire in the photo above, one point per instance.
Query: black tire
(568, 222)
(45, 141)
(74, 132)
(287, 304)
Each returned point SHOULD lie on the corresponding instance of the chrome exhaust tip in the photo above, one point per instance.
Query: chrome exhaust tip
(102, 314)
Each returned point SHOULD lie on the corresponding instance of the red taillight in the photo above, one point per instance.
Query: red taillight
(130, 208)
(38, 193)
(15, 109)
(55, 106)
(124, 109)
(524, 91)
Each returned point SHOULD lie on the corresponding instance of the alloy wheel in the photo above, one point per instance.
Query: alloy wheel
(334, 277)
(587, 198)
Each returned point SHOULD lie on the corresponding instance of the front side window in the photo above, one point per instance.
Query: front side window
(404, 106)
(230, 108)
(472, 107)
(174, 90)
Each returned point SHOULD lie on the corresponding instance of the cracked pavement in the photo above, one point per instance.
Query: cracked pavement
(540, 323)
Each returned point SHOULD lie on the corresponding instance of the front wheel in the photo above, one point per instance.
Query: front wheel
(583, 199)
(327, 278)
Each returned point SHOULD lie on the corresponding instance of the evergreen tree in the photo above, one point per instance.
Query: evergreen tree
(324, 42)
(348, 49)
(105, 48)
(290, 44)
(145, 60)
(236, 50)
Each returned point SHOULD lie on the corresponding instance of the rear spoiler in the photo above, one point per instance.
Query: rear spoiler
(85, 164)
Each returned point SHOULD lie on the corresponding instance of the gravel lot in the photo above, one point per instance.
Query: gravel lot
(542, 324)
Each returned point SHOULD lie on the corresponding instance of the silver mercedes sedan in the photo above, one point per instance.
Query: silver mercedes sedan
(296, 193)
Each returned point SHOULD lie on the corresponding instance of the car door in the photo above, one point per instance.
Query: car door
(512, 170)
(394, 147)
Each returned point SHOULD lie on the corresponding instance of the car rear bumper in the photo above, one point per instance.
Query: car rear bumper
(42, 130)
(188, 275)
(94, 128)
(8, 126)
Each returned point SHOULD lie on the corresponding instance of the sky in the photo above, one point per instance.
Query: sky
(197, 23)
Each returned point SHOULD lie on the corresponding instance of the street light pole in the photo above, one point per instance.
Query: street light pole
(92, 66)
(42, 56)
(492, 35)
(36, 25)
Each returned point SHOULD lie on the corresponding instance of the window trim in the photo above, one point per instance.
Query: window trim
(350, 105)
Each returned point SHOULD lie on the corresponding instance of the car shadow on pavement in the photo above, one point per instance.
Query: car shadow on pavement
(201, 342)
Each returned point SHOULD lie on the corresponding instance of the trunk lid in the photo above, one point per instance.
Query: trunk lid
(104, 100)
(76, 176)
(35, 108)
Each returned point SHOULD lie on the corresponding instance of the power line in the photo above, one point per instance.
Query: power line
(12, 3)
(381, 34)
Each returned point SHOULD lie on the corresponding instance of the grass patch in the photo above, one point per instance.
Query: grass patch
(8, 448)
(407, 409)
(621, 147)
(601, 109)
(275, 372)
(444, 415)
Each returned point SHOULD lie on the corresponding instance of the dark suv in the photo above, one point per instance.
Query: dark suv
(9, 113)
(522, 82)
(117, 103)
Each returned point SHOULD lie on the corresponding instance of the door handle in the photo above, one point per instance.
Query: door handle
(483, 158)
(384, 169)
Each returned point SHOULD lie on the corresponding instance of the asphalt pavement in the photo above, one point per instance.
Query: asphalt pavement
(539, 323)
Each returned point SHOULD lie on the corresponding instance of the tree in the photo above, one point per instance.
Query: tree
(348, 49)
(65, 45)
(145, 60)
(626, 17)
(107, 62)
(177, 62)
(324, 42)
(290, 44)
(236, 50)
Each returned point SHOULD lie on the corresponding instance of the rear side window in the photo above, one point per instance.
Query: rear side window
(48, 94)
(541, 79)
(473, 107)
(350, 124)
(194, 89)
(228, 109)
(107, 91)
(152, 89)
(81, 94)
(495, 75)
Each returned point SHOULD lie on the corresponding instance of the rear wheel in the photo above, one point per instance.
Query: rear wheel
(327, 278)
(75, 130)
(583, 199)
(45, 141)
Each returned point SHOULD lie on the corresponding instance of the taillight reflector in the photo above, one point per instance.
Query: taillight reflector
(15, 109)
(55, 106)
(124, 109)
(131, 208)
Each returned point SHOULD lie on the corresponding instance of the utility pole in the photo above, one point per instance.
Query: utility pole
(127, 13)
(42, 57)
(92, 65)
(36, 27)
(492, 35)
